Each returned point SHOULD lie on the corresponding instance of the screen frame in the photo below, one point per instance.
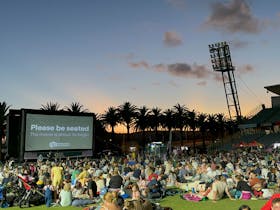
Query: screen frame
(25, 112)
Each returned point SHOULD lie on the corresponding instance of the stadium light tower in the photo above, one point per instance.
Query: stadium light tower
(221, 62)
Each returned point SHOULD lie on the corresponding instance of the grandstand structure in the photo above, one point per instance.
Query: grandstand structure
(264, 126)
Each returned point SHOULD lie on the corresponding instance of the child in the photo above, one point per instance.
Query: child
(48, 189)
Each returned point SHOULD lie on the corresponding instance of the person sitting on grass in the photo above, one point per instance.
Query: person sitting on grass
(241, 185)
(65, 195)
(135, 192)
(109, 202)
(255, 183)
(116, 181)
(218, 189)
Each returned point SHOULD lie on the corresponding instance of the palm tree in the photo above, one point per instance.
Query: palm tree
(141, 122)
(231, 126)
(155, 119)
(202, 125)
(212, 126)
(192, 123)
(3, 116)
(180, 114)
(98, 130)
(221, 125)
(76, 107)
(111, 118)
(168, 119)
(169, 123)
(127, 113)
(51, 107)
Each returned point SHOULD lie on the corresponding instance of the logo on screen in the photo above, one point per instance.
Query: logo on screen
(54, 144)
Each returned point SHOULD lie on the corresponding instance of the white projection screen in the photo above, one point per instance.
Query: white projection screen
(58, 132)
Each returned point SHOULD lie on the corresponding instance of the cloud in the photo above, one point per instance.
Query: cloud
(172, 39)
(176, 69)
(245, 69)
(186, 70)
(233, 17)
(159, 67)
(218, 77)
(140, 64)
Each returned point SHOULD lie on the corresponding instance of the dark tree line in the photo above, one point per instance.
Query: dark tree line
(142, 119)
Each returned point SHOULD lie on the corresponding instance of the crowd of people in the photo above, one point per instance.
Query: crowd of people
(124, 182)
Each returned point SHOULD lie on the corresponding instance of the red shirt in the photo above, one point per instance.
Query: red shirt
(267, 205)
(151, 176)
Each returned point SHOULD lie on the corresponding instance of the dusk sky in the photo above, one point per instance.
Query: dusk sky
(103, 53)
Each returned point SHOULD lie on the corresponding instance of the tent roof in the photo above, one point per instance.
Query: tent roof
(274, 89)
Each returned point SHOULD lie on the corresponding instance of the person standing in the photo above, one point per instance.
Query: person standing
(57, 178)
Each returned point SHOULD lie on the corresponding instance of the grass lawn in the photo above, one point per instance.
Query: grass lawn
(178, 203)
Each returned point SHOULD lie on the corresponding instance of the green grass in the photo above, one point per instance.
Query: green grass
(178, 203)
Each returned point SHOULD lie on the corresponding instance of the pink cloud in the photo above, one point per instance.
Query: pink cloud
(232, 17)
(172, 39)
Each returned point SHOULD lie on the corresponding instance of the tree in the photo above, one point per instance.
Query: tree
(202, 125)
(168, 119)
(76, 107)
(221, 125)
(98, 130)
(155, 119)
(212, 126)
(180, 114)
(192, 123)
(127, 113)
(111, 118)
(142, 122)
(51, 107)
(3, 116)
(169, 123)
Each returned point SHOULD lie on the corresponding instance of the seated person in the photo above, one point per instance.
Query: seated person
(218, 189)
(108, 202)
(241, 185)
(65, 195)
(154, 188)
(254, 181)
(116, 181)
(135, 192)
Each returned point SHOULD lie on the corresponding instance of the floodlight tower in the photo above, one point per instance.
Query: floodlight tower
(221, 62)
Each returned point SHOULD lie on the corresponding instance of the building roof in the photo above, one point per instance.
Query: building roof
(266, 117)
(274, 89)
